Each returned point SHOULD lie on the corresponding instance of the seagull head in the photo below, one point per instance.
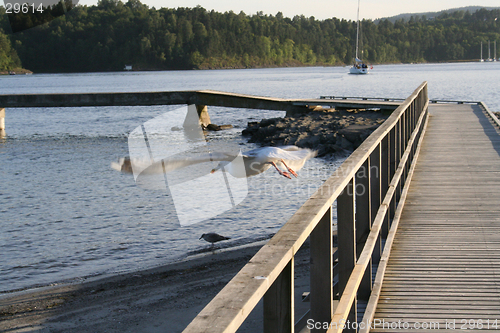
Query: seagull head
(219, 166)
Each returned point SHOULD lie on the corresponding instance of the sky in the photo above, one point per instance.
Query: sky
(320, 9)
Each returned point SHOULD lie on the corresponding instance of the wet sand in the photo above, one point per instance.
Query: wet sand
(162, 299)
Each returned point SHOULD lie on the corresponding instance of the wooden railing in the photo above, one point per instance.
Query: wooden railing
(490, 114)
(369, 188)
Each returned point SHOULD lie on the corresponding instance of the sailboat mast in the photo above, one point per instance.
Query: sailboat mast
(357, 32)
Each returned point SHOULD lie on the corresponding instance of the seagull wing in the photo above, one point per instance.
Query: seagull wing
(175, 163)
(293, 156)
(145, 167)
(273, 154)
(296, 159)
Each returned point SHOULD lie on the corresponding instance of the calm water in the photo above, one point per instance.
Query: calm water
(66, 214)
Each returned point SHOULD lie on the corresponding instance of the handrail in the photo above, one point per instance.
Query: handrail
(490, 114)
(382, 157)
(386, 99)
(377, 283)
(354, 282)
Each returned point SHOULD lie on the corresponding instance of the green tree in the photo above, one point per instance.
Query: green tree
(111, 34)
(8, 55)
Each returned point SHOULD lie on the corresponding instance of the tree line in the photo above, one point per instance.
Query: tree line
(112, 34)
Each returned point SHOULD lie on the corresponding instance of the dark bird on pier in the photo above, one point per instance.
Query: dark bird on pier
(212, 237)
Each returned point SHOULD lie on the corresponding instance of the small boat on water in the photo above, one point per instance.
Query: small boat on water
(359, 67)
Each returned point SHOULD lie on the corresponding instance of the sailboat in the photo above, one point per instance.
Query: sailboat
(359, 67)
(482, 60)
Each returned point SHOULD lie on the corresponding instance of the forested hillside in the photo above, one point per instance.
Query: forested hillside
(114, 34)
(8, 56)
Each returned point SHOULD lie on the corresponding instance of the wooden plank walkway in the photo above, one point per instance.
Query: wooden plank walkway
(444, 267)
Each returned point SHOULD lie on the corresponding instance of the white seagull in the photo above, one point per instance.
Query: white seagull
(256, 161)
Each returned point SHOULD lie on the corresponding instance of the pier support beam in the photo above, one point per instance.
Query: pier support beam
(203, 115)
(2, 122)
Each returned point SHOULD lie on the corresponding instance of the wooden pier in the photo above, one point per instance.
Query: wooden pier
(418, 221)
(200, 98)
(367, 188)
(444, 266)
(418, 245)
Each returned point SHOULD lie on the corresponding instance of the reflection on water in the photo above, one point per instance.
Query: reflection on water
(65, 213)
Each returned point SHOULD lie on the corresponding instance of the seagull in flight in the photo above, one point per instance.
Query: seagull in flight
(286, 160)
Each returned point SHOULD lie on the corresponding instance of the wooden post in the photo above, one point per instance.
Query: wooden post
(279, 304)
(404, 143)
(321, 271)
(392, 154)
(203, 115)
(399, 141)
(2, 122)
(346, 241)
(385, 168)
(375, 188)
(388, 156)
(399, 154)
(363, 205)
(363, 223)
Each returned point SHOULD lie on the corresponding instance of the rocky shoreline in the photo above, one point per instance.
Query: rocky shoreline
(328, 131)
(17, 71)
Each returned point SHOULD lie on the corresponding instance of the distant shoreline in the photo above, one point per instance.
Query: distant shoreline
(16, 71)
(22, 71)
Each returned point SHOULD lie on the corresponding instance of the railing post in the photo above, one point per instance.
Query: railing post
(363, 222)
(279, 304)
(375, 188)
(403, 131)
(399, 152)
(387, 154)
(405, 143)
(346, 241)
(392, 156)
(321, 271)
(417, 112)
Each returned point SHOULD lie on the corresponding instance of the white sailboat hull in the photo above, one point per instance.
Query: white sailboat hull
(358, 70)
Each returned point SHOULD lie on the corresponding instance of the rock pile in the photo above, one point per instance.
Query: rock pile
(328, 131)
